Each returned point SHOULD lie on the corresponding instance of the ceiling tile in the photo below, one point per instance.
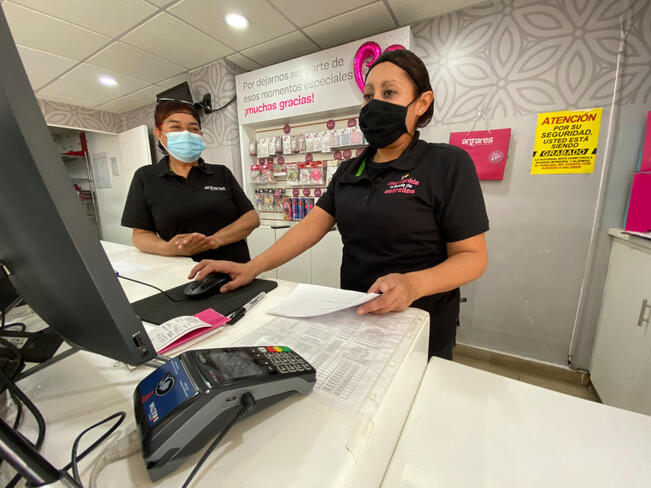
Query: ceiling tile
(82, 95)
(37, 81)
(296, 9)
(172, 39)
(121, 58)
(121, 105)
(110, 18)
(208, 15)
(162, 3)
(409, 11)
(87, 76)
(169, 83)
(44, 64)
(243, 62)
(46, 33)
(360, 23)
(147, 94)
(283, 48)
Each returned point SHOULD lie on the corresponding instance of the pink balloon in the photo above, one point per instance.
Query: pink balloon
(394, 47)
(368, 53)
(367, 50)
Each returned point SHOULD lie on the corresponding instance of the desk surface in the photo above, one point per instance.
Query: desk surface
(299, 442)
(470, 428)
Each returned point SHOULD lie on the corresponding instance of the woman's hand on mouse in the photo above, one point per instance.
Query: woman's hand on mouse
(397, 294)
(241, 273)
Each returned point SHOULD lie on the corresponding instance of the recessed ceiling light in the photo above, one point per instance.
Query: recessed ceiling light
(107, 80)
(237, 20)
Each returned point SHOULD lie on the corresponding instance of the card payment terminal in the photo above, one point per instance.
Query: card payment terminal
(187, 401)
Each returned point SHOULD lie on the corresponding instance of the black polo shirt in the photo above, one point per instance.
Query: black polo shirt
(400, 220)
(206, 201)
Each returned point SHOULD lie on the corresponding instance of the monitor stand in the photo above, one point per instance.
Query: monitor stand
(54, 359)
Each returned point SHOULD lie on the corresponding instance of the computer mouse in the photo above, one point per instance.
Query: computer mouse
(206, 287)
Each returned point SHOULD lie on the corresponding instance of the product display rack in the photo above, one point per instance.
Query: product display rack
(285, 185)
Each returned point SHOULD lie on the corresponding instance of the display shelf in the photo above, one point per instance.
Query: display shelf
(81, 174)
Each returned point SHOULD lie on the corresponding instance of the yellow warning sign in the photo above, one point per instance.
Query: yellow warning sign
(566, 142)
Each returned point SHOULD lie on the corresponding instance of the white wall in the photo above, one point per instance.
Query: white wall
(108, 199)
(131, 149)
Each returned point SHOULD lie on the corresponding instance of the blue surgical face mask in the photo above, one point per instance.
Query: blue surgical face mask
(185, 146)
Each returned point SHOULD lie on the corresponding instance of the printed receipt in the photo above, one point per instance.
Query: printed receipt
(166, 334)
(356, 357)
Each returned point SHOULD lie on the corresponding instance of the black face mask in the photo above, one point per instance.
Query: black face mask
(382, 122)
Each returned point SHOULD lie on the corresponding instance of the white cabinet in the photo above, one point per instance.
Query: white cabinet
(326, 260)
(260, 240)
(319, 265)
(621, 359)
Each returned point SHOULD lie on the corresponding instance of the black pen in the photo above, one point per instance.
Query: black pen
(240, 312)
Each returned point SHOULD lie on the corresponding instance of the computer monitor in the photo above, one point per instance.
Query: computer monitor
(47, 244)
(178, 92)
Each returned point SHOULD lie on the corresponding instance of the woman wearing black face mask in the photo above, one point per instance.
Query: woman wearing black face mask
(411, 214)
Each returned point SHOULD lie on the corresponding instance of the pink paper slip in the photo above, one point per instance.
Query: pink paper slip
(487, 148)
(213, 321)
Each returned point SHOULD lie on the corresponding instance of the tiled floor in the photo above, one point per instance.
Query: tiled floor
(551, 384)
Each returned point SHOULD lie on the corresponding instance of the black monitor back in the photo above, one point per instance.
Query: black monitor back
(47, 243)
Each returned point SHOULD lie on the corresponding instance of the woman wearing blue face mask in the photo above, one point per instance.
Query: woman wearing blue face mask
(411, 213)
(182, 206)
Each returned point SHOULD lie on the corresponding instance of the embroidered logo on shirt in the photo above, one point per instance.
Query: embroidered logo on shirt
(214, 188)
(405, 185)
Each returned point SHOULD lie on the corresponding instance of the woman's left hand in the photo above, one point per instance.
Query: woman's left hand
(398, 293)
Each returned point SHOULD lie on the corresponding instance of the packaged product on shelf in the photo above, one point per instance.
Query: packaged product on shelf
(255, 173)
(309, 142)
(302, 147)
(316, 142)
(279, 168)
(340, 136)
(267, 173)
(356, 136)
(325, 141)
(258, 199)
(309, 205)
(263, 147)
(300, 205)
(292, 174)
(278, 200)
(294, 143)
(345, 136)
(318, 173)
(295, 209)
(287, 209)
(253, 147)
(304, 173)
(287, 144)
(268, 200)
(333, 138)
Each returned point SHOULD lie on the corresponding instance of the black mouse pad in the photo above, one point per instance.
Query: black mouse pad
(158, 308)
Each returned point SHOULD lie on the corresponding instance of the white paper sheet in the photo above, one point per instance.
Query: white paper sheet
(356, 357)
(315, 300)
